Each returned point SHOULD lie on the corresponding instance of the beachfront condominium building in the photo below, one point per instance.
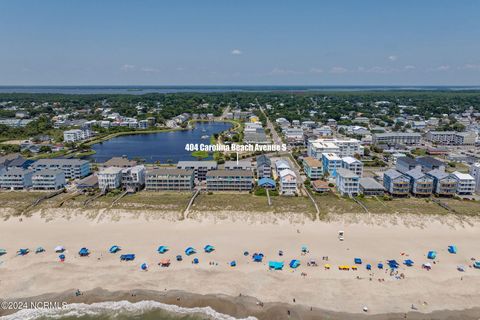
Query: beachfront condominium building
(288, 182)
(331, 162)
(294, 136)
(347, 182)
(465, 183)
(353, 164)
(281, 164)
(475, 173)
(229, 180)
(133, 179)
(73, 168)
(312, 168)
(420, 183)
(109, 178)
(119, 162)
(370, 187)
(48, 179)
(392, 138)
(452, 137)
(16, 178)
(200, 168)
(76, 135)
(405, 164)
(239, 165)
(396, 183)
(264, 166)
(159, 179)
(443, 183)
(343, 147)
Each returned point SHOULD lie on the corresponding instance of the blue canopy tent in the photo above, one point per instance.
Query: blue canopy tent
(452, 249)
(61, 257)
(408, 262)
(162, 249)
(3, 251)
(179, 258)
(257, 257)
(393, 264)
(114, 249)
(357, 261)
(189, 251)
(266, 183)
(476, 264)
(380, 266)
(127, 257)
(275, 265)
(84, 252)
(144, 266)
(431, 255)
(294, 264)
(23, 252)
(304, 249)
(208, 248)
(233, 264)
(39, 250)
(195, 261)
(369, 266)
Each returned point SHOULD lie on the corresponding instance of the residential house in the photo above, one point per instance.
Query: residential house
(420, 183)
(281, 165)
(331, 162)
(312, 168)
(353, 164)
(443, 183)
(370, 187)
(347, 182)
(288, 182)
(465, 183)
(396, 183)
(264, 166)
(133, 178)
(200, 168)
(320, 186)
(109, 178)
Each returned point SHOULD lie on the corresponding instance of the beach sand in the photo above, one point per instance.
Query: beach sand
(330, 293)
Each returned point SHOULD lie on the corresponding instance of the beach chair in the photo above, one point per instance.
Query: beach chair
(327, 267)
(23, 252)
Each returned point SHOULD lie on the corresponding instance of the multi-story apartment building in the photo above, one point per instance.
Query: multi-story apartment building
(475, 173)
(370, 187)
(110, 178)
(313, 168)
(133, 179)
(343, 147)
(451, 137)
(465, 183)
(169, 179)
(76, 135)
(288, 182)
(264, 167)
(200, 168)
(396, 183)
(16, 178)
(331, 162)
(281, 164)
(73, 168)
(48, 179)
(420, 183)
(347, 182)
(229, 180)
(392, 138)
(353, 164)
(239, 165)
(443, 183)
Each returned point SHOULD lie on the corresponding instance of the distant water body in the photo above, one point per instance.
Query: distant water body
(139, 90)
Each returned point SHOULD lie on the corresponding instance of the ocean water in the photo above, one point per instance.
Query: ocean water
(121, 310)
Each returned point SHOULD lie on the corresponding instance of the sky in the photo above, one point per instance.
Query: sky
(247, 42)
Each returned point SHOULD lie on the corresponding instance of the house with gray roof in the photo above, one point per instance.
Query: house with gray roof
(159, 179)
(420, 183)
(229, 180)
(443, 183)
(48, 179)
(16, 179)
(370, 187)
(72, 168)
(396, 183)
(264, 166)
(200, 168)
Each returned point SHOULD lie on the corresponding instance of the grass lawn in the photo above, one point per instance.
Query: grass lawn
(467, 207)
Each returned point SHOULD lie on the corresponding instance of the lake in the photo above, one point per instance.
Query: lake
(161, 146)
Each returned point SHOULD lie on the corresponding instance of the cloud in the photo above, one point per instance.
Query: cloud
(279, 71)
(442, 68)
(149, 69)
(236, 52)
(409, 67)
(338, 70)
(392, 58)
(128, 67)
(316, 70)
(470, 66)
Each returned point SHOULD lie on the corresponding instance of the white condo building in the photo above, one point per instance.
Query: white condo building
(475, 173)
(343, 147)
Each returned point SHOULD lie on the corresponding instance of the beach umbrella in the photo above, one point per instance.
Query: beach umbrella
(39, 250)
(431, 255)
(369, 267)
(59, 249)
(304, 249)
(275, 265)
(257, 257)
(208, 248)
(3, 251)
(162, 249)
(452, 249)
(61, 257)
(408, 263)
(179, 258)
(476, 264)
(189, 251)
(114, 249)
(84, 252)
(233, 264)
(294, 264)
(357, 261)
(144, 266)
(195, 261)
(23, 252)
(380, 266)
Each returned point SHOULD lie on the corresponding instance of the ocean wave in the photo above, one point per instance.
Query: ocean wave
(112, 309)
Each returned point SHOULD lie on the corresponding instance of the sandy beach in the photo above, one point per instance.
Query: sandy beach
(335, 291)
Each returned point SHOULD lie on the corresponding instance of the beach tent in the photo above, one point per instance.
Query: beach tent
(84, 252)
(39, 250)
(427, 266)
(245, 253)
(408, 263)
(164, 263)
(144, 266)
(189, 251)
(357, 261)
(452, 249)
(23, 252)
(208, 248)
(380, 266)
(127, 257)
(431, 255)
(461, 268)
(61, 257)
(294, 264)
(114, 249)
(476, 264)
(2, 251)
(257, 257)
(280, 253)
(59, 249)
(179, 258)
(233, 264)
(275, 265)
(195, 261)
(304, 249)
(369, 267)
(162, 249)
(393, 264)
